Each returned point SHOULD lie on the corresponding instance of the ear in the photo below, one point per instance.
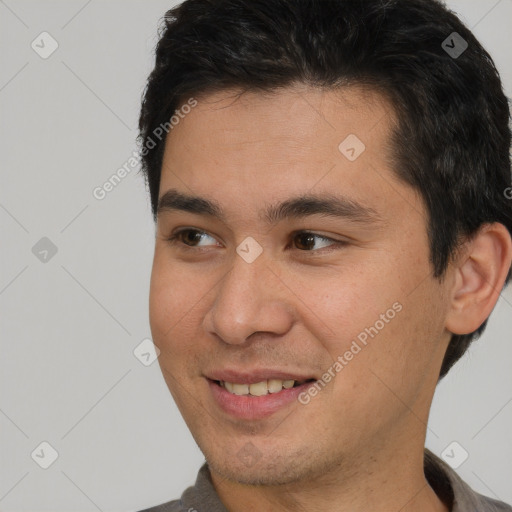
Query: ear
(480, 272)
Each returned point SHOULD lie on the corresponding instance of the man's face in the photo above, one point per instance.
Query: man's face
(356, 288)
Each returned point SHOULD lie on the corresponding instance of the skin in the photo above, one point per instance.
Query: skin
(358, 445)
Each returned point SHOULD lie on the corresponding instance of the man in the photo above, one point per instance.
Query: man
(333, 229)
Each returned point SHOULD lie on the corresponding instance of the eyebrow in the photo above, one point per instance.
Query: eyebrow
(305, 205)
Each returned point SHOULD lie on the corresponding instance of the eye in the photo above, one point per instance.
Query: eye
(191, 238)
(305, 241)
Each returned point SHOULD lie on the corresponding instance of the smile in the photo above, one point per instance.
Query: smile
(260, 388)
(256, 400)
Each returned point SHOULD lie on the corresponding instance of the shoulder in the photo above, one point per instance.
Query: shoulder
(486, 504)
(450, 487)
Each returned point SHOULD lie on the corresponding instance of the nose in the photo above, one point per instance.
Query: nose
(249, 299)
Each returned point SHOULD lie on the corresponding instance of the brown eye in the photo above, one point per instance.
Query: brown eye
(191, 238)
(305, 241)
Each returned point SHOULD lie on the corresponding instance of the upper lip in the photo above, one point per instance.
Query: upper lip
(254, 376)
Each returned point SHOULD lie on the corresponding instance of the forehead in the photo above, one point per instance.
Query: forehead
(245, 148)
(295, 114)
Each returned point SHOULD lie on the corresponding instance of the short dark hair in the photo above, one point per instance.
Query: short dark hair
(452, 139)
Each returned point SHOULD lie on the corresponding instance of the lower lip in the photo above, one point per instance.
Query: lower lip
(250, 407)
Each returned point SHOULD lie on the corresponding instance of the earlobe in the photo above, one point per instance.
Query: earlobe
(481, 270)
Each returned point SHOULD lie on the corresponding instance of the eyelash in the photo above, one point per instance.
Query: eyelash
(175, 239)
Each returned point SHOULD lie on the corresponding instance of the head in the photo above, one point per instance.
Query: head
(268, 97)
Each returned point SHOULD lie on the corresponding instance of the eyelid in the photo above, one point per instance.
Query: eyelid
(314, 233)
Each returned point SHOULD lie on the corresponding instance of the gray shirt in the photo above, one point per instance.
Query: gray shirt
(202, 497)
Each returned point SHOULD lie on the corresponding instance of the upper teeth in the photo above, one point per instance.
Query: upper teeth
(258, 388)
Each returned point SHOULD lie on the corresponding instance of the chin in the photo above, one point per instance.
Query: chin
(249, 467)
(264, 474)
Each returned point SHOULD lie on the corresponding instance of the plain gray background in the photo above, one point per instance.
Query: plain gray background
(70, 324)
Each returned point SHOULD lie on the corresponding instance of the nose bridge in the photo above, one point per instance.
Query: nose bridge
(248, 300)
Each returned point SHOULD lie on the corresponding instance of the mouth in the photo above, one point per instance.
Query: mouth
(257, 399)
(262, 388)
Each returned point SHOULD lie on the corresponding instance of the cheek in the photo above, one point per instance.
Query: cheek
(171, 311)
(385, 310)
(340, 303)
(173, 295)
